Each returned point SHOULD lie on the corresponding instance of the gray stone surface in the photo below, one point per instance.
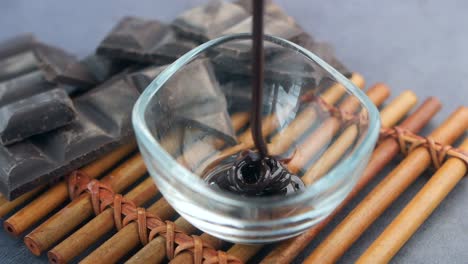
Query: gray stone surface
(419, 45)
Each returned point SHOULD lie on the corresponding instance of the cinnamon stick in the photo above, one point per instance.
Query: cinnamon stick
(285, 138)
(382, 196)
(417, 211)
(127, 238)
(78, 210)
(332, 155)
(389, 116)
(337, 90)
(396, 109)
(57, 194)
(327, 130)
(244, 252)
(154, 251)
(287, 250)
(8, 206)
(104, 222)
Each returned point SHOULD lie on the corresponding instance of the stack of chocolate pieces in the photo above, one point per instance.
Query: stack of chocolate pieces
(33, 99)
(52, 122)
(58, 113)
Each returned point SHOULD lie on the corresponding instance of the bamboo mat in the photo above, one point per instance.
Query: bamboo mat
(51, 223)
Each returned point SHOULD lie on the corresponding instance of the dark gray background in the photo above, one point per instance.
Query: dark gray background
(419, 45)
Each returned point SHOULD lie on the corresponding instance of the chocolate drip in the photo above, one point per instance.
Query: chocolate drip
(257, 71)
(253, 175)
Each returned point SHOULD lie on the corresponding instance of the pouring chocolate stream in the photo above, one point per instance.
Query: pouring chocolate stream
(255, 173)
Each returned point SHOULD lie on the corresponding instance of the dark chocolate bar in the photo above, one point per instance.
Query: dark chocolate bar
(56, 65)
(143, 40)
(34, 115)
(291, 64)
(279, 96)
(277, 24)
(271, 9)
(247, 4)
(60, 67)
(210, 20)
(144, 77)
(286, 67)
(102, 124)
(102, 67)
(213, 119)
(193, 97)
(17, 64)
(17, 44)
(23, 86)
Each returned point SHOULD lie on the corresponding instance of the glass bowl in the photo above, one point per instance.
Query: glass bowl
(194, 116)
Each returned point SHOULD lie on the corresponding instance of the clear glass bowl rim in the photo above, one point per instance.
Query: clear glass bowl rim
(188, 179)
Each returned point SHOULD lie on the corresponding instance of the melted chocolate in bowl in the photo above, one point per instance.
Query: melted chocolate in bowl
(250, 174)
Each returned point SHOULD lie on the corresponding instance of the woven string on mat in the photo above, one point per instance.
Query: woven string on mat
(149, 225)
(326, 110)
(407, 140)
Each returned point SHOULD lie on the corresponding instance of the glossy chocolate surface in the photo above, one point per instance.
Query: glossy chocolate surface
(252, 175)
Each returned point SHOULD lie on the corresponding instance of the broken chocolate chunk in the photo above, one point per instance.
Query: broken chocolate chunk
(286, 67)
(276, 23)
(144, 77)
(143, 40)
(60, 67)
(210, 20)
(193, 96)
(279, 26)
(35, 115)
(101, 67)
(133, 35)
(216, 123)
